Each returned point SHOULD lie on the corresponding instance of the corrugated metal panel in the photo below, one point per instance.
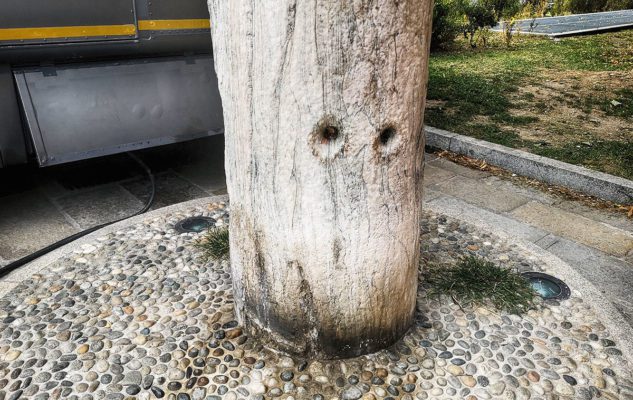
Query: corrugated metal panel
(76, 112)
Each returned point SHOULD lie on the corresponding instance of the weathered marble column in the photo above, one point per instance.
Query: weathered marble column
(323, 105)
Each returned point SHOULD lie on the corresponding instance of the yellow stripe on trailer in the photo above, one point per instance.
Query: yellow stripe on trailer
(55, 32)
(173, 24)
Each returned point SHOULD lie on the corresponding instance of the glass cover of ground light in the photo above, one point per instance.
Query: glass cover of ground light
(194, 224)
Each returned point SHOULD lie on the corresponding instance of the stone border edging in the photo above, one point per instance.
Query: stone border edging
(594, 183)
(609, 315)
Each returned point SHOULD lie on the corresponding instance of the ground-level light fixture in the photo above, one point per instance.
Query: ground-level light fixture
(547, 286)
(194, 224)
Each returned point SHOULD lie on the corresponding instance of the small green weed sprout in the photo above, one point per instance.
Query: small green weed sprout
(215, 244)
(477, 282)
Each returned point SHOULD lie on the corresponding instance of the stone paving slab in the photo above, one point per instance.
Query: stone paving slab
(483, 193)
(209, 177)
(99, 205)
(458, 207)
(170, 189)
(434, 175)
(28, 222)
(604, 237)
(458, 169)
(520, 190)
(547, 241)
(605, 216)
(430, 194)
(612, 276)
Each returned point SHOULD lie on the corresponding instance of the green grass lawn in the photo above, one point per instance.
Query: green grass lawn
(571, 100)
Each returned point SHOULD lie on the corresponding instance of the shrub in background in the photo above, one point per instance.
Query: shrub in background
(473, 18)
(586, 6)
(530, 9)
(615, 5)
(482, 15)
(535, 8)
(589, 6)
(559, 7)
(447, 23)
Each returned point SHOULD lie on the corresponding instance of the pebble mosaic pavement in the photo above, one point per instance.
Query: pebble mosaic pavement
(137, 315)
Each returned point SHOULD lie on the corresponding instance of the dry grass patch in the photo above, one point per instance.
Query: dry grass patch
(570, 100)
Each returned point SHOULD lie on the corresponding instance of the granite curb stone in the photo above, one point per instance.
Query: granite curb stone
(598, 184)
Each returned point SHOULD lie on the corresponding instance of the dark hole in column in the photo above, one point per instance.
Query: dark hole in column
(329, 133)
(386, 135)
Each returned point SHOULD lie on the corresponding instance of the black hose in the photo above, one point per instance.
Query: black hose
(27, 259)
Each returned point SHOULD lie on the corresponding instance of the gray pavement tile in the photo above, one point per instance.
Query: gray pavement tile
(458, 169)
(52, 188)
(208, 178)
(99, 205)
(547, 241)
(29, 222)
(629, 258)
(483, 193)
(170, 189)
(430, 194)
(458, 208)
(613, 277)
(201, 162)
(617, 219)
(598, 235)
(434, 175)
(205, 167)
(519, 190)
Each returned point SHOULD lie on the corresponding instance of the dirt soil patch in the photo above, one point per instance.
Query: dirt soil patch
(573, 106)
(571, 100)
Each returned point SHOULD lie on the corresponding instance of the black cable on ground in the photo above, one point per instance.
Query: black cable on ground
(27, 259)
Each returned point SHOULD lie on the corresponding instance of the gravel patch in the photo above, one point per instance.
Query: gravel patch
(137, 314)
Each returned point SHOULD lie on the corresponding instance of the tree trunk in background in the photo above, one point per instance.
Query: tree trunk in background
(323, 108)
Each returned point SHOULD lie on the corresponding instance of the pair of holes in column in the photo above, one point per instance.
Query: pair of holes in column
(329, 142)
(330, 133)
